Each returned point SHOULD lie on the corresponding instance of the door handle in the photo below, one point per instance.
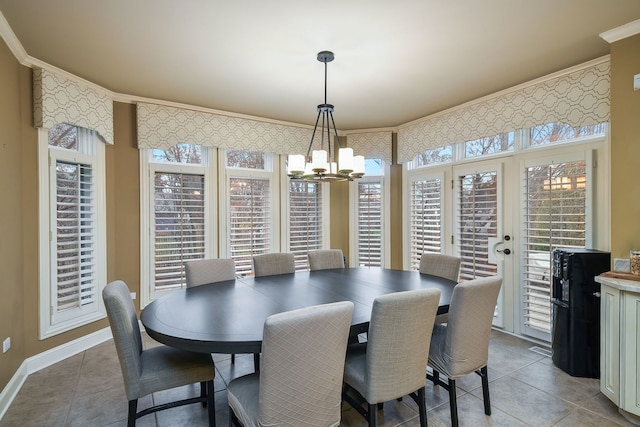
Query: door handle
(506, 251)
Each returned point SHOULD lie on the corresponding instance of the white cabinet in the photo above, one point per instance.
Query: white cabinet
(620, 344)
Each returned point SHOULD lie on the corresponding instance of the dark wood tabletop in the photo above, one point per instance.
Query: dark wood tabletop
(228, 317)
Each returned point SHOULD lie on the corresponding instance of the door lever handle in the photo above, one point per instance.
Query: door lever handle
(507, 251)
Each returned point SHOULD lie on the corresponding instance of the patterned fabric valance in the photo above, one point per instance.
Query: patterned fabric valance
(580, 98)
(162, 126)
(372, 145)
(56, 99)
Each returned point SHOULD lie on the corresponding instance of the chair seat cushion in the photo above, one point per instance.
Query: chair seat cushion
(242, 394)
(164, 367)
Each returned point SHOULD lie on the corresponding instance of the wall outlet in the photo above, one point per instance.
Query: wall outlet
(6, 345)
(133, 295)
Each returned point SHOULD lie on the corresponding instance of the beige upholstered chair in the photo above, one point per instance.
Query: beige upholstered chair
(440, 265)
(393, 361)
(462, 345)
(273, 263)
(323, 259)
(300, 380)
(203, 271)
(155, 369)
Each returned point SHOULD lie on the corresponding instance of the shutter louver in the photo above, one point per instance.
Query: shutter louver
(179, 226)
(555, 217)
(426, 219)
(370, 224)
(305, 220)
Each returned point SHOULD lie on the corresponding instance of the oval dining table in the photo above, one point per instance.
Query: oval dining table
(228, 317)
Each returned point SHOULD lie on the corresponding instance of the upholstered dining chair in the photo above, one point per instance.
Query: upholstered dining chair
(440, 265)
(323, 259)
(462, 345)
(203, 271)
(391, 364)
(155, 369)
(273, 263)
(300, 379)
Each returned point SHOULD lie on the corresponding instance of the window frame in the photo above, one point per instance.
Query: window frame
(90, 151)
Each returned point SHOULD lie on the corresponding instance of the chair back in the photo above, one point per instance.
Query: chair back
(398, 343)
(302, 365)
(323, 259)
(440, 265)
(466, 344)
(273, 263)
(203, 271)
(126, 334)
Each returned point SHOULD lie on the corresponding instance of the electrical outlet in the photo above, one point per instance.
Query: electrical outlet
(6, 345)
(133, 295)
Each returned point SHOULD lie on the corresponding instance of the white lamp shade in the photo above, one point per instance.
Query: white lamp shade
(345, 160)
(334, 167)
(295, 164)
(358, 164)
(319, 160)
(308, 170)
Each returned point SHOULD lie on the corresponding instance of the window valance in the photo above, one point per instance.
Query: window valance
(372, 145)
(57, 99)
(161, 126)
(579, 98)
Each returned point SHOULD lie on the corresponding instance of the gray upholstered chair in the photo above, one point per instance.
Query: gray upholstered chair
(462, 345)
(323, 259)
(440, 265)
(391, 364)
(273, 263)
(155, 369)
(300, 380)
(203, 271)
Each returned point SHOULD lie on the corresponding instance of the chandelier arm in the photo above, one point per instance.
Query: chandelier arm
(313, 135)
(335, 129)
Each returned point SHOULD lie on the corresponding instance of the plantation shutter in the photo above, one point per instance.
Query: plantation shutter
(305, 220)
(249, 220)
(370, 224)
(555, 217)
(477, 222)
(179, 226)
(74, 240)
(425, 219)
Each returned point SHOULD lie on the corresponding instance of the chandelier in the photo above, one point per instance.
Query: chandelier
(321, 165)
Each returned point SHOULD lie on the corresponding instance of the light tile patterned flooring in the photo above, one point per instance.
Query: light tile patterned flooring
(526, 390)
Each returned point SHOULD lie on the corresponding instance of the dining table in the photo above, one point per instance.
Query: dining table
(228, 316)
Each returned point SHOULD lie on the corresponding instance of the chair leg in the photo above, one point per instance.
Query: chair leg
(256, 362)
(422, 407)
(373, 415)
(453, 403)
(131, 417)
(233, 358)
(203, 392)
(211, 406)
(233, 420)
(485, 390)
(380, 406)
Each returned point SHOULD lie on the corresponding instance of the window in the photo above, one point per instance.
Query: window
(432, 157)
(368, 214)
(72, 224)
(176, 215)
(425, 218)
(561, 132)
(491, 145)
(306, 219)
(249, 207)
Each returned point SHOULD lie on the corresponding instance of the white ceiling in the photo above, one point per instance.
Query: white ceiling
(396, 61)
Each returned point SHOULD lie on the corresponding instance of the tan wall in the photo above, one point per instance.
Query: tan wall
(625, 147)
(11, 224)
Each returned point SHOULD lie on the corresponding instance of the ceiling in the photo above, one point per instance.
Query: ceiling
(395, 61)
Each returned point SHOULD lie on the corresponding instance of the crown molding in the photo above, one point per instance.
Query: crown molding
(622, 32)
(12, 41)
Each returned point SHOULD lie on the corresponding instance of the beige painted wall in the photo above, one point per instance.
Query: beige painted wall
(625, 147)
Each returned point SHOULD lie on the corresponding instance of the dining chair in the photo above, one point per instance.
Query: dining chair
(273, 263)
(440, 265)
(323, 259)
(392, 363)
(202, 271)
(462, 345)
(154, 369)
(300, 380)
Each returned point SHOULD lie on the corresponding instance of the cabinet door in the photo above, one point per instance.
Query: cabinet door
(610, 343)
(630, 392)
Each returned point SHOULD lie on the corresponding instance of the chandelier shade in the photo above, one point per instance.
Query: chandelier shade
(320, 164)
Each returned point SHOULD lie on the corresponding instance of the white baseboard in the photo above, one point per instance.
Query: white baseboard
(48, 358)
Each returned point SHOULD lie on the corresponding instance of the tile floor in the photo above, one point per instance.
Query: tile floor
(526, 390)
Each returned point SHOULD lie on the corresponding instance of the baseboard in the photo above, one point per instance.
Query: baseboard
(45, 359)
